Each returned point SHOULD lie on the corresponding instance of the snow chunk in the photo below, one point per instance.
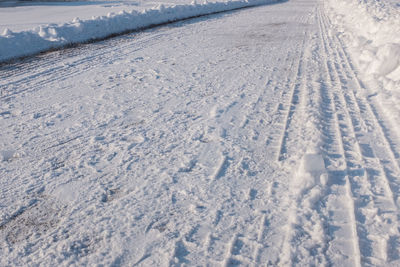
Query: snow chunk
(386, 61)
(313, 163)
(7, 32)
(312, 170)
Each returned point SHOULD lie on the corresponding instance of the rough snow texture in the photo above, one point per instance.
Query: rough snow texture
(27, 15)
(17, 44)
(237, 139)
(371, 31)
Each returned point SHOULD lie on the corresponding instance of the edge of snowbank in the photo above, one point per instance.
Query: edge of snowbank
(43, 38)
(370, 29)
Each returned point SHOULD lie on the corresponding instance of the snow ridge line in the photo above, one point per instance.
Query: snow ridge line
(340, 146)
(308, 230)
(368, 171)
(379, 170)
(293, 102)
(44, 38)
(286, 257)
(356, 106)
(389, 137)
(56, 71)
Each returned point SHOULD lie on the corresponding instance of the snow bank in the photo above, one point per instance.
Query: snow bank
(371, 29)
(17, 44)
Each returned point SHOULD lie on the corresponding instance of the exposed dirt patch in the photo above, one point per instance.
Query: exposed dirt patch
(31, 222)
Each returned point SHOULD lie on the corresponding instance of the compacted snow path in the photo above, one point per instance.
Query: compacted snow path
(242, 138)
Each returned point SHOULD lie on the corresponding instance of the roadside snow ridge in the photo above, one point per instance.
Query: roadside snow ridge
(13, 45)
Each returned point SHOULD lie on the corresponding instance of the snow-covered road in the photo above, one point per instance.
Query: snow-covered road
(242, 138)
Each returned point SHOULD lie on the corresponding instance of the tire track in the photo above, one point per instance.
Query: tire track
(340, 165)
(51, 69)
(293, 100)
(259, 129)
(378, 172)
(307, 232)
(367, 110)
(273, 242)
(371, 110)
(244, 248)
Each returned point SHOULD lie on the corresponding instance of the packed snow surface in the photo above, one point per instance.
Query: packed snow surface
(240, 138)
(45, 37)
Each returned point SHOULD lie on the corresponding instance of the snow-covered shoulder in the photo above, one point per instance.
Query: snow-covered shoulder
(42, 38)
(371, 31)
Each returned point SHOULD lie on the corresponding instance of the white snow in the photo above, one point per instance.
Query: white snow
(243, 138)
(27, 15)
(45, 37)
(371, 31)
(313, 163)
(371, 28)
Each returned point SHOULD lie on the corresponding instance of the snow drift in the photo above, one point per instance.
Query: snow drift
(13, 45)
(371, 29)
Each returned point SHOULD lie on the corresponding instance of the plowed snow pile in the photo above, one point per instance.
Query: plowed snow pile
(42, 38)
(371, 31)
